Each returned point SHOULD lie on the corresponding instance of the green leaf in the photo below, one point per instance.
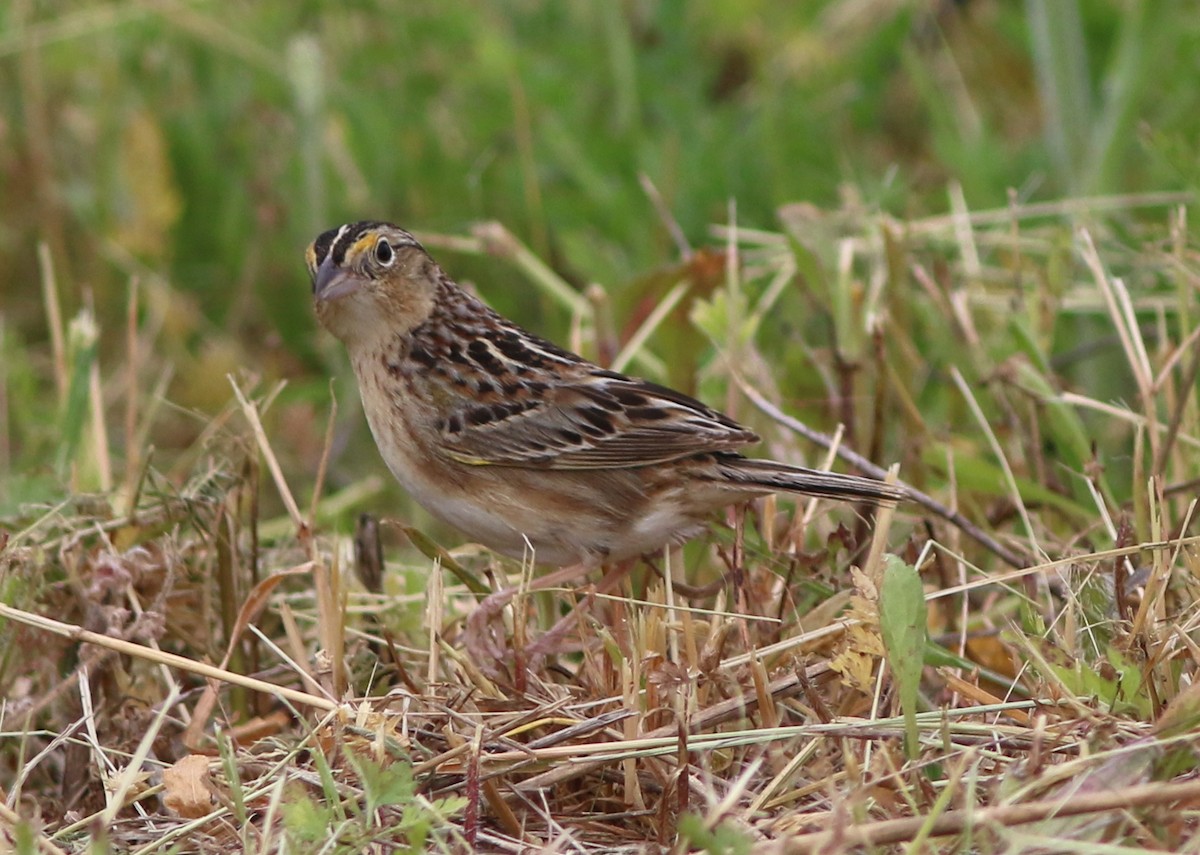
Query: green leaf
(1060, 60)
(1062, 425)
(974, 474)
(81, 338)
(433, 551)
(725, 839)
(902, 624)
(1182, 714)
(383, 785)
(306, 819)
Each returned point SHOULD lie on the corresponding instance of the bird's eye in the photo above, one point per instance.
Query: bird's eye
(384, 253)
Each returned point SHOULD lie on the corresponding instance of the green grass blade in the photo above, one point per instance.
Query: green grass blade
(903, 625)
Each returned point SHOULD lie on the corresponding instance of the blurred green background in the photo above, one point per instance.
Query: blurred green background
(199, 146)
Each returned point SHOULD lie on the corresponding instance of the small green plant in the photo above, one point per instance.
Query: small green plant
(388, 809)
(724, 838)
(902, 624)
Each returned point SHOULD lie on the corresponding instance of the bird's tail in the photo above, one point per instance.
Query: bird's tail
(772, 476)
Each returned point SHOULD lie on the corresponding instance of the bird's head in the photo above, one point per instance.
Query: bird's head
(370, 280)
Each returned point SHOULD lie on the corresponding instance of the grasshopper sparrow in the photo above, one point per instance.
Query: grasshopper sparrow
(517, 442)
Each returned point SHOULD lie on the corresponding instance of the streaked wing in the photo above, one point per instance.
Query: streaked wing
(594, 420)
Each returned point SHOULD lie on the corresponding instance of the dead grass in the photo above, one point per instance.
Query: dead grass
(182, 674)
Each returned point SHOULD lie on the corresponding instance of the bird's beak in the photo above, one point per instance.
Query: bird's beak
(333, 282)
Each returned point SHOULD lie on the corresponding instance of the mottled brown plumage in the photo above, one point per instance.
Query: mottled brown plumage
(518, 442)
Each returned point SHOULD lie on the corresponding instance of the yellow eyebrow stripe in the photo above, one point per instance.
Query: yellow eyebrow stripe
(363, 244)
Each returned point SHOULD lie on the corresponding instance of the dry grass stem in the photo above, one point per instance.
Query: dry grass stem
(733, 694)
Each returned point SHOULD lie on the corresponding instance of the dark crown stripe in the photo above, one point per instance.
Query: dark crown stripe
(336, 242)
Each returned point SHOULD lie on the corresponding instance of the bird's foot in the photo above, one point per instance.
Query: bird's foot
(484, 637)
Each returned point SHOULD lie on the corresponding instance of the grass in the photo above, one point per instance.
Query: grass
(203, 647)
(750, 688)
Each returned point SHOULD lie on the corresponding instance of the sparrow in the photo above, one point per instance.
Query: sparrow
(525, 447)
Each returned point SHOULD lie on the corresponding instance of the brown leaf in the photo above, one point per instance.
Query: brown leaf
(187, 787)
(255, 602)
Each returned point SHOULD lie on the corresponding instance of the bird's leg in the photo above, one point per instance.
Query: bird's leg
(739, 569)
(482, 640)
(552, 638)
(738, 557)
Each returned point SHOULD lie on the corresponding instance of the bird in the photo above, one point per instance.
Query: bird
(527, 448)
